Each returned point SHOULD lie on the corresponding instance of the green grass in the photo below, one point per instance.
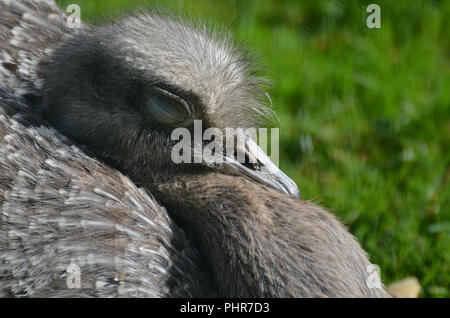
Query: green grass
(365, 116)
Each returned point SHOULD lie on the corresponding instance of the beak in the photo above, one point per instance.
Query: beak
(265, 171)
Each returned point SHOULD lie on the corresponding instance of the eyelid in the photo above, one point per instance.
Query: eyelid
(168, 108)
(174, 97)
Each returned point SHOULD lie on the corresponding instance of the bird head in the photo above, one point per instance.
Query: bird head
(121, 88)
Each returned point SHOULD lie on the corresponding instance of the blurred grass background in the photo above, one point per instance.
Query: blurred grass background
(365, 115)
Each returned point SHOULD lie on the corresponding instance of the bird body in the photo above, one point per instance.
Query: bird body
(60, 207)
(28, 29)
(118, 90)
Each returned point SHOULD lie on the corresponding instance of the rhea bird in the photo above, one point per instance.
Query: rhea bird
(118, 90)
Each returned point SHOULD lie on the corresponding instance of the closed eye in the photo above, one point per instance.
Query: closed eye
(168, 108)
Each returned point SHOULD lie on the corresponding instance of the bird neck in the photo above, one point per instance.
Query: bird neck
(233, 227)
(262, 243)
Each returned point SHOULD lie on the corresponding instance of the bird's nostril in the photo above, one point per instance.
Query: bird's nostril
(251, 165)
